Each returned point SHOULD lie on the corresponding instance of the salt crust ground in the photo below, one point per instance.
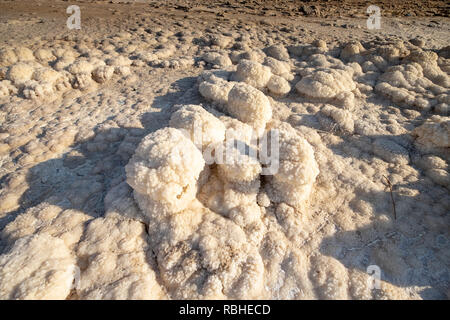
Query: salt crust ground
(90, 179)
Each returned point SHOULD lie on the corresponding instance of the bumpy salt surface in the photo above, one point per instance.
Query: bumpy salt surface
(112, 179)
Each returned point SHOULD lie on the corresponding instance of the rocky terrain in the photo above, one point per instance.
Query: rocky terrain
(113, 182)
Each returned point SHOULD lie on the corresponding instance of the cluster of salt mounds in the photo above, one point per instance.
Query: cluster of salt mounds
(194, 226)
(47, 73)
(212, 210)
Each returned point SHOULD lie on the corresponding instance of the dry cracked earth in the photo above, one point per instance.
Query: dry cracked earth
(103, 195)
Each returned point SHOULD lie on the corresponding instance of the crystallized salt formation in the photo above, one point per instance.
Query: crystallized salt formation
(37, 267)
(188, 158)
(293, 181)
(117, 265)
(252, 73)
(164, 171)
(434, 133)
(216, 90)
(278, 86)
(249, 105)
(201, 126)
(327, 83)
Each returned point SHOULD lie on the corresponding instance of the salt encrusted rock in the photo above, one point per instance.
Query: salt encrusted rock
(34, 89)
(119, 61)
(391, 52)
(351, 49)
(418, 42)
(402, 96)
(46, 75)
(406, 85)
(217, 59)
(249, 105)
(345, 100)
(67, 225)
(37, 267)
(65, 81)
(216, 91)
(3, 72)
(319, 43)
(64, 62)
(24, 54)
(123, 71)
(238, 130)
(252, 73)
(7, 57)
(342, 118)
(326, 83)
(279, 68)
(204, 245)
(44, 55)
(82, 81)
(433, 133)
(214, 76)
(20, 73)
(202, 127)
(178, 62)
(278, 52)
(237, 166)
(164, 171)
(442, 109)
(435, 168)
(319, 60)
(81, 67)
(431, 70)
(293, 181)
(7, 88)
(117, 267)
(255, 55)
(103, 73)
(379, 62)
(278, 86)
(221, 41)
